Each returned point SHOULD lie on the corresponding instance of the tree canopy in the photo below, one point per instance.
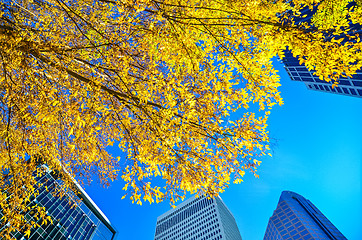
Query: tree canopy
(160, 79)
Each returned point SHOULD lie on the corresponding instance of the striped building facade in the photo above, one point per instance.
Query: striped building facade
(198, 219)
(72, 219)
(296, 218)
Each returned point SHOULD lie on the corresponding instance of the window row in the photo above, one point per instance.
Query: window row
(197, 233)
(339, 89)
(183, 215)
(179, 210)
(191, 223)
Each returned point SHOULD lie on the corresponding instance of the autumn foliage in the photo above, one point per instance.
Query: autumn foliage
(160, 79)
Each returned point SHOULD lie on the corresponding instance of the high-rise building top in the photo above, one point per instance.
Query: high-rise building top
(71, 220)
(298, 72)
(350, 86)
(198, 219)
(297, 218)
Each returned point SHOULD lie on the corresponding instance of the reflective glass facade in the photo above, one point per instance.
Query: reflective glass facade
(198, 219)
(296, 218)
(351, 86)
(298, 72)
(81, 221)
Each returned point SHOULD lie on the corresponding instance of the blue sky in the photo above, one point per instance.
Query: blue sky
(317, 154)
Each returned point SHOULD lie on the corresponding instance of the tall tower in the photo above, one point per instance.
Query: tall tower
(298, 72)
(81, 220)
(297, 218)
(198, 219)
(350, 86)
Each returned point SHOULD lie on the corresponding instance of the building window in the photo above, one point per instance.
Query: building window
(357, 83)
(352, 91)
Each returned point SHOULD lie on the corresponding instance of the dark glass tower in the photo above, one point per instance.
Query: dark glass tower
(298, 72)
(297, 218)
(73, 220)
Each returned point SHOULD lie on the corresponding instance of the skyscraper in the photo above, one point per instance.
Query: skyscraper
(71, 220)
(298, 72)
(297, 218)
(198, 219)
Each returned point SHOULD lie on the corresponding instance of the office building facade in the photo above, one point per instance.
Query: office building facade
(350, 86)
(198, 219)
(73, 220)
(296, 218)
(298, 72)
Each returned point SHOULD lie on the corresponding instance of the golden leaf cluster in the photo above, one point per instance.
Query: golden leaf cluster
(160, 79)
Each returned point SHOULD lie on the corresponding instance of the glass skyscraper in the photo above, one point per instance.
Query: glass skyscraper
(198, 219)
(298, 72)
(71, 220)
(296, 218)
